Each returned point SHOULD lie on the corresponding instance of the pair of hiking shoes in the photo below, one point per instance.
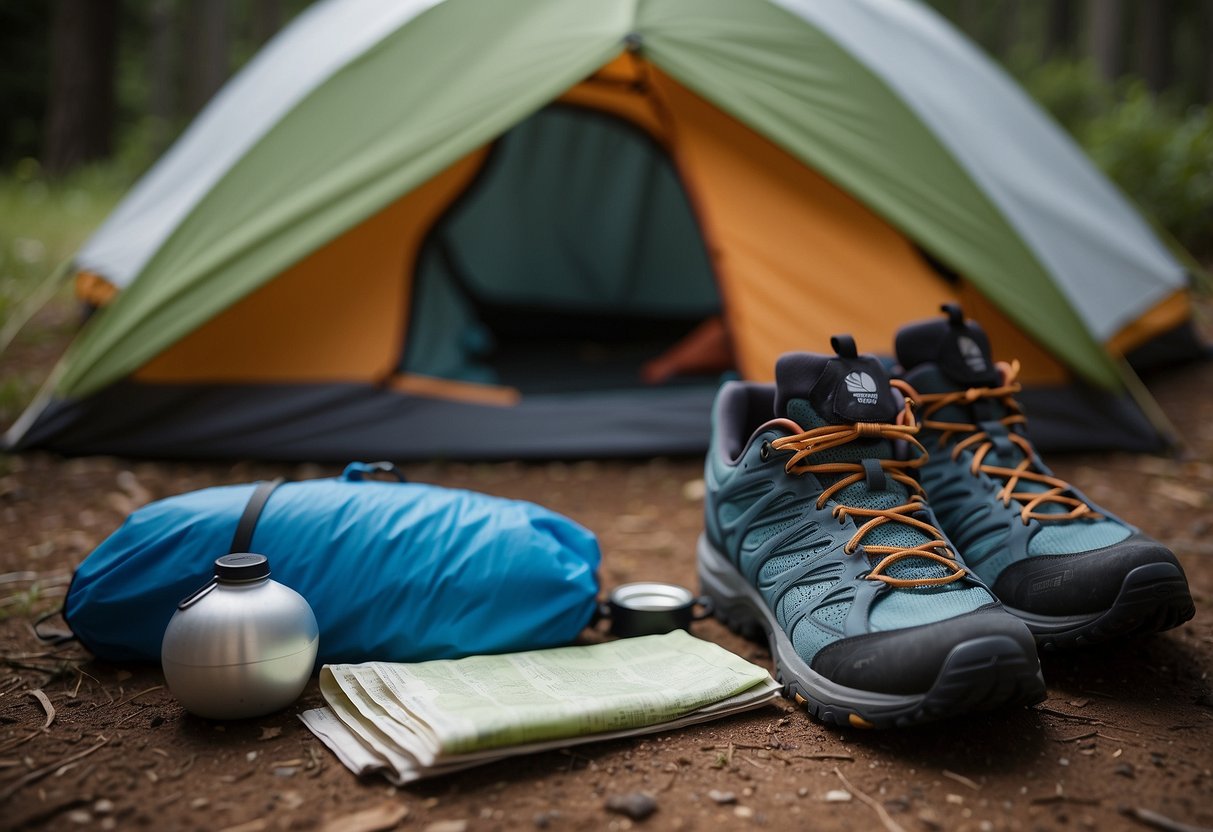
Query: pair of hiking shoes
(881, 609)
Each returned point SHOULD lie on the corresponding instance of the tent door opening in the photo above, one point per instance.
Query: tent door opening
(571, 260)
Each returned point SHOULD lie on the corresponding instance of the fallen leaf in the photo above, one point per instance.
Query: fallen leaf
(1181, 494)
(46, 706)
(290, 800)
(447, 826)
(255, 825)
(375, 819)
(693, 490)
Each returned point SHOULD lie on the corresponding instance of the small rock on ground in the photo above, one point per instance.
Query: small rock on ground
(635, 805)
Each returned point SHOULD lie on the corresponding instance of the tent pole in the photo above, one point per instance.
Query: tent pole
(33, 304)
(1150, 407)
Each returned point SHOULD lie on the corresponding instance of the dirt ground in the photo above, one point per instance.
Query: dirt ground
(1124, 741)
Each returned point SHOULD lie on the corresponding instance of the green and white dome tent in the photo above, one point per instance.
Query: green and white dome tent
(469, 228)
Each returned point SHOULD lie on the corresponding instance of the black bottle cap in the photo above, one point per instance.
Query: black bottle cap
(244, 566)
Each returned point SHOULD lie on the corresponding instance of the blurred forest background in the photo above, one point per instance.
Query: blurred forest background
(108, 84)
(93, 91)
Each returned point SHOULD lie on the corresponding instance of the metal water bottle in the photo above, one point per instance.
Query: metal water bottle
(240, 646)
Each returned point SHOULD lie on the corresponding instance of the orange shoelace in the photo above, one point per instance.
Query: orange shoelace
(981, 444)
(820, 439)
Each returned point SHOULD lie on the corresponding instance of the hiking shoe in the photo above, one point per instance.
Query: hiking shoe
(818, 539)
(1072, 571)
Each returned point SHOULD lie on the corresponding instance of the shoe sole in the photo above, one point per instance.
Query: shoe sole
(980, 674)
(1152, 598)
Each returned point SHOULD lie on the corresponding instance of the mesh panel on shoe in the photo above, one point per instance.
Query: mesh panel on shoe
(778, 565)
(809, 639)
(800, 596)
(832, 615)
(924, 605)
(1076, 536)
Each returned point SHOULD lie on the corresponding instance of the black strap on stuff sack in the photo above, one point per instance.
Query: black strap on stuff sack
(252, 512)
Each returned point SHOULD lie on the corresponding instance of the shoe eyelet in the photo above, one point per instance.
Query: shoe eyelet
(764, 452)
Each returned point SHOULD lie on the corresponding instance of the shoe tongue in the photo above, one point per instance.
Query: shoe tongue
(840, 389)
(816, 390)
(958, 347)
(949, 354)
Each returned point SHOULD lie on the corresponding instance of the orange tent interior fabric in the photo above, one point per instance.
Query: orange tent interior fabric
(788, 247)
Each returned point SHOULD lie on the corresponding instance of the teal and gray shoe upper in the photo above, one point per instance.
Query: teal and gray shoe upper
(807, 502)
(1046, 550)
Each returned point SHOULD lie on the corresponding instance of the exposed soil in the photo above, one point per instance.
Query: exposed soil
(1125, 739)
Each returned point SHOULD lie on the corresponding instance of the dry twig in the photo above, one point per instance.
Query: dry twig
(1158, 821)
(881, 812)
(1076, 717)
(19, 740)
(135, 696)
(1077, 737)
(961, 779)
(38, 773)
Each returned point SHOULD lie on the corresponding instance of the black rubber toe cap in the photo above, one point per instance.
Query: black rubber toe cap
(1077, 584)
(909, 661)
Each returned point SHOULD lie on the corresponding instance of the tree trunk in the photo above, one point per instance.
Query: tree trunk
(1060, 31)
(1104, 28)
(1154, 59)
(1009, 16)
(1208, 38)
(80, 110)
(267, 20)
(162, 75)
(207, 51)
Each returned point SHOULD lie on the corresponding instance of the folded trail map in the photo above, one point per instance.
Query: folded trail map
(409, 721)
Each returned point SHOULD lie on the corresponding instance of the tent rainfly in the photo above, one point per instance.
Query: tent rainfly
(548, 228)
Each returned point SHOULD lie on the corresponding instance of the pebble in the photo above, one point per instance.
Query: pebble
(838, 796)
(722, 797)
(635, 805)
(460, 825)
(1126, 770)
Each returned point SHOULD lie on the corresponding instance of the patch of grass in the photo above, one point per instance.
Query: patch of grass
(44, 222)
(42, 225)
(16, 391)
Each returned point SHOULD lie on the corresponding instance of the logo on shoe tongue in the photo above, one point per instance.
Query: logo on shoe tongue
(862, 387)
(972, 354)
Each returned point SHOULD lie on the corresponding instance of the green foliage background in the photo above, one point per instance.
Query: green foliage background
(1158, 151)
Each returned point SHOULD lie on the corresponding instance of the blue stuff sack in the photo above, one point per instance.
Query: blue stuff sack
(393, 571)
